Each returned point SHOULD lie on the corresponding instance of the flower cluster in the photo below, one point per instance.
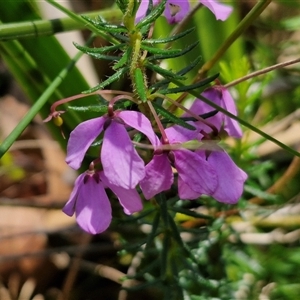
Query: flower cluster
(202, 171)
(123, 168)
(176, 10)
(205, 169)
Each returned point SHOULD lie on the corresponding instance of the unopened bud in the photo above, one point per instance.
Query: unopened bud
(58, 121)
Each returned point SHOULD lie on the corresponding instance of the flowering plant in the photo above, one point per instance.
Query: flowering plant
(177, 155)
(196, 172)
(163, 153)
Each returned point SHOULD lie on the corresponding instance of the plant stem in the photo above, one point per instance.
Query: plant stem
(38, 28)
(263, 71)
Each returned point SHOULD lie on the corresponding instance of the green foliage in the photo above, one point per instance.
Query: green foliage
(108, 81)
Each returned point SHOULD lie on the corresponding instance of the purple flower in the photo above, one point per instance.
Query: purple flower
(193, 170)
(201, 172)
(91, 205)
(220, 96)
(229, 176)
(221, 11)
(141, 13)
(159, 176)
(121, 163)
(176, 10)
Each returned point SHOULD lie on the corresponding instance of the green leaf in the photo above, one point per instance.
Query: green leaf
(137, 137)
(153, 233)
(103, 26)
(159, 51)
(122, 4)
(100, 50)
(124, 59)
(175, 232)
(190, 213)
(190, 87)
(108, 81)
(168, 39)
(166, 245)
(112, 27)
(103, 56)
(120, 37)
(121, 104)
(102, 108)
(261, 194)
(164, 83)
(140, 84)
(163, 72)
(191, 66)
(203, 116)
(171, 55)
(172, 119)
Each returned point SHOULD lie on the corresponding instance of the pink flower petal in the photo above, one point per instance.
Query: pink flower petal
(231, 126)
(221, 11)
(159, 176)
(90, 203)
(178, 134)
(215, 96)
(129, 198)
(199, 108)
(220, 96)
(80, 140)
(141, 123)
(195, 172)
(93, 210)
(176, 10)
(141, 13)
(230, 177)
(185, 192)
(121, 163)
(69, 208)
